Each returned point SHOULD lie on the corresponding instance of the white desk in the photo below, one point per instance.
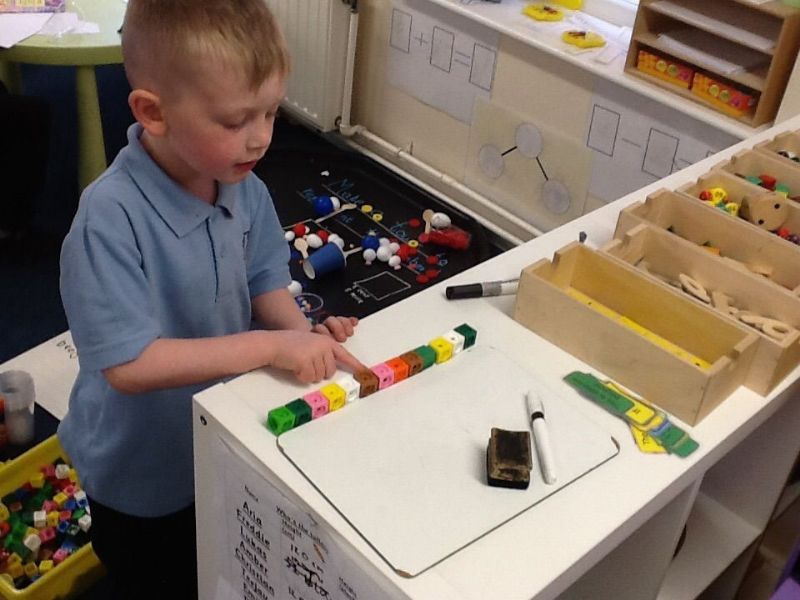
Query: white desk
(609, 535)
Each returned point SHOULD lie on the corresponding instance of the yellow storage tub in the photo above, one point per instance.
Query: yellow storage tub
(81, 569)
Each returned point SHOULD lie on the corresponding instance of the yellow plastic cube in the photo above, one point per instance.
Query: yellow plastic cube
(37, 480)
(336, 396)
(443, 349)
(45, 566)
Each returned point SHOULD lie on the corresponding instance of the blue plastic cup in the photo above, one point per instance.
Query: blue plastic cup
(327, 259)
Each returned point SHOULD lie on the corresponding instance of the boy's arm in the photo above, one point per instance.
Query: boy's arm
(278, 310)
(170, 363)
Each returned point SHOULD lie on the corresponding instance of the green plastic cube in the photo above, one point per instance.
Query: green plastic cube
(427, 354)
(279, 420)
(301, 411)
(470, 335)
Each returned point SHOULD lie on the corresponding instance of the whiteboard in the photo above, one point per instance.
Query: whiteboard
(406, 466)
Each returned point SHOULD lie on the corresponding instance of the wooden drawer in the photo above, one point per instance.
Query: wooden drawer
(740, 191)
(787, 141)
(665, 258)
(751, 162)
(637, 331)
(750, 247)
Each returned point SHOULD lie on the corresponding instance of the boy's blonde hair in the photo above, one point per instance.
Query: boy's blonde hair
(162, 39)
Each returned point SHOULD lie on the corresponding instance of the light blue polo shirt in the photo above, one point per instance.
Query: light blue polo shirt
(145, 259)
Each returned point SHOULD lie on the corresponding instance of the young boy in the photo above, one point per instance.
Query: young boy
(172, 252)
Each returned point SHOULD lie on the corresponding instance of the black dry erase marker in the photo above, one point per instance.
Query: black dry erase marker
(478, 290)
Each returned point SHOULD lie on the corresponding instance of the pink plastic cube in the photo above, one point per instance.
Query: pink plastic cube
(385, 375)
(318, 404)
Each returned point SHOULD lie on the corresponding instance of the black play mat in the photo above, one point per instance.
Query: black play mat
(302, 165)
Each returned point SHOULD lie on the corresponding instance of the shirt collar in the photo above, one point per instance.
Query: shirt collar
(180, 210)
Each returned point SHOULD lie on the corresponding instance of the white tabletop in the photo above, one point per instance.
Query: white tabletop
(550, 546)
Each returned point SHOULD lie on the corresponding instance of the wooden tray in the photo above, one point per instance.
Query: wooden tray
(747, 246)
(662, 256)
(641, 363)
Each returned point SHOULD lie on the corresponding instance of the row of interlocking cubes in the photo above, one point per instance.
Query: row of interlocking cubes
(349, 388)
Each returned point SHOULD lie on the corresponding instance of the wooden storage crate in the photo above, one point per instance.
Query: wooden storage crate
(666, 258)
(763, 38)
(636, 355)
(738, 188)
(746, 246)
(786, 141)
(751, 162)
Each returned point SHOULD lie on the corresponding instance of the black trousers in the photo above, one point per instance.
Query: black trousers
(145, 557)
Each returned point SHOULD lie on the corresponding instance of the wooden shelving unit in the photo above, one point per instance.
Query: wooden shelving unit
(711, 38)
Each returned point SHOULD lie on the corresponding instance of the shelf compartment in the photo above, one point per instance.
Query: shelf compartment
(754, 79)
(635, 317)
(777, 38)
(748, 247)
(750, 162)
(715, 537)
(659, 255)
(724, 21)
(786, 141)
(738, 190)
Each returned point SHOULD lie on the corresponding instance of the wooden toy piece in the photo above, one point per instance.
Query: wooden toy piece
(335, 395)
(508, 459)
(691, 286)
(774, 328)
(443, 349)
(302, 247)
(399, 367)
(368, 382)
(721, 301)
(341, 209)
(583, 39)
(427, 216)
(769, 211)
(543, 12)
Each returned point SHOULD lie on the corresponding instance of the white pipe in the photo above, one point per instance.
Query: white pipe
(349, 130)
(490, 225)
(344, 124)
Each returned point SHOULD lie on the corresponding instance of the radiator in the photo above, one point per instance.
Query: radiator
(317, 33)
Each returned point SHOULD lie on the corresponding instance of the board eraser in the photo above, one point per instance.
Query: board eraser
(508, 459)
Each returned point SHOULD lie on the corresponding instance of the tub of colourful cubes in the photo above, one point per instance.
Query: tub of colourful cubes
(337, 394)
(45, 523)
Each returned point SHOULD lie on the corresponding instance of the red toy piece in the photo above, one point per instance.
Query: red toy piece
(768, 181)
(450, 237)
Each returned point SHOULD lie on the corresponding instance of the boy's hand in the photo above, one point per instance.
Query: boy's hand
(311, 357)
(339, 328)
